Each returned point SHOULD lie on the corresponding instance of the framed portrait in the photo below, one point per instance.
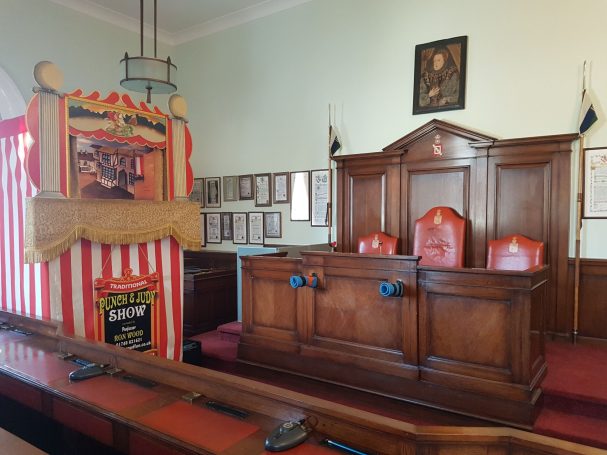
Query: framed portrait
(595, 182)
(246, 190)
(239, 226)
(319, 197)
(212, 192)
(197, 194)
(300, 196)
(256, 228)
(272, 223)
(213, 227)
(280, 193)
(230, 188)
(263, 190)
(227, 232)
(439, 82)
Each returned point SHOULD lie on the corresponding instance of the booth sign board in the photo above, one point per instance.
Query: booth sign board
(126, 311)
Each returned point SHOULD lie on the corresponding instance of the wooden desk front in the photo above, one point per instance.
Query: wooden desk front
(209, 299)
(466, 340)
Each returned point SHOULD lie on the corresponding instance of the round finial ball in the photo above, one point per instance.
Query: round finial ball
(48, 75)
(178, 106)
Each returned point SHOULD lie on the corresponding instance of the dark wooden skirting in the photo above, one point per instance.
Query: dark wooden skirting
(209, 300)
(209, 290)
(593, 299)
(210, 259)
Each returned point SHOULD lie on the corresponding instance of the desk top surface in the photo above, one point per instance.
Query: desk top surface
(158, 408)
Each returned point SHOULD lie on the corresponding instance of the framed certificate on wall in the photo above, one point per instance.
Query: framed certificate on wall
(272, 225)
(256, 228)
(239, 226)
(263, 190)
(230, 188)
(227, 232)
(319, 196)
(280, 187)
(213, 192)
(595, 183)
(245, 187)
(213, 227)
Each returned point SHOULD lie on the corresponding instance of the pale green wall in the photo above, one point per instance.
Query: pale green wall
(258, 93)
(87, 50)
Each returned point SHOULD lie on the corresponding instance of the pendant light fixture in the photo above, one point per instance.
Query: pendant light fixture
(146, 74)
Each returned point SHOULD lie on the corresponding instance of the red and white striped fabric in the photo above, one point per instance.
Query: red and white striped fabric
(73, 273)
(23, 287)
(59, 288)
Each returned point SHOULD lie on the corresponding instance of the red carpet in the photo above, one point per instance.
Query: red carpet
(575, 394)
(212, 345)
(230, 331)
(575, 388)
(576, 371)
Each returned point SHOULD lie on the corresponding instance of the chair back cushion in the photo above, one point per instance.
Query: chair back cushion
(514, 252)
(377, 243)
(440, 237)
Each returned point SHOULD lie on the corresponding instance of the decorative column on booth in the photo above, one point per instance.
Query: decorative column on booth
(50, 79)
(179, 110)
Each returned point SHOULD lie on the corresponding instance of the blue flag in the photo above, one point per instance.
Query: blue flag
(587, 113)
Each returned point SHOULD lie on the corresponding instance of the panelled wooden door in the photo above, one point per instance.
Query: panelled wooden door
(528, 182)
(368, 191)
(431, 186)
(368, 212)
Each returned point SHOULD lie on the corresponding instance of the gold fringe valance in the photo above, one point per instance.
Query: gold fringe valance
(53, 225)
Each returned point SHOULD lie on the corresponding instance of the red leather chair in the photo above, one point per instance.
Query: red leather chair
(440, 237)
(377, 243)
(514, 252)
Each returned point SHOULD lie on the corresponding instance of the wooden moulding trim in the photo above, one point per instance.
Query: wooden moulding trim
(189, 377)
(362, 159)
(34, 324)
(433, 125)
(593, 267)
(271, 263)
(540, 144)
(527, 281)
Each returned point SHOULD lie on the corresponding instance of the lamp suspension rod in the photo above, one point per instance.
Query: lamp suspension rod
(141, 25)
(155, 4)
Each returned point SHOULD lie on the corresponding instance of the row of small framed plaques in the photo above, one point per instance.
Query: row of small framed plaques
(242, 227)
(306, 191)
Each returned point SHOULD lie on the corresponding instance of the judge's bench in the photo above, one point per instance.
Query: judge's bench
(466, 339)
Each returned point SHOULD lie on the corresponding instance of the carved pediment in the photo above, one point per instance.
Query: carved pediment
(438, 139)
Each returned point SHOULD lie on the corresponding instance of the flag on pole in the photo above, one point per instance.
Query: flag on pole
(587, 113)
(334, 142)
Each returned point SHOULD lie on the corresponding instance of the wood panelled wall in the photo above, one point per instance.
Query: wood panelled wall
(593, 299)
(502, 187)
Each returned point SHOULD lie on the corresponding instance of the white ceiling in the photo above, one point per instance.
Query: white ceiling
(180, 21)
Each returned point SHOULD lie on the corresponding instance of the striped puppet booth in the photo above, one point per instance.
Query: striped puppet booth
(96, 215)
